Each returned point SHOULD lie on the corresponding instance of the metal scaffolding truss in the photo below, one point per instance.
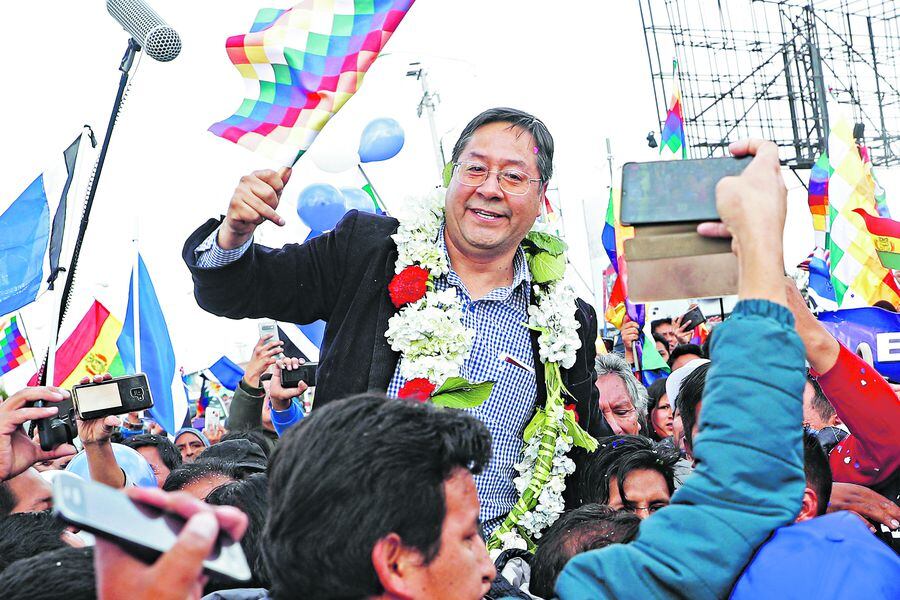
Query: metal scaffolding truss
(774, 68)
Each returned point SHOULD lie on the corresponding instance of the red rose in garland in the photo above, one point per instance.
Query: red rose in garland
(416, 389)
(572, 408)
(408, 285)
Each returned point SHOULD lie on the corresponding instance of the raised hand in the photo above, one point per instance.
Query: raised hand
(17, 450)
(254, 201)
(281, 396)
(265, 354)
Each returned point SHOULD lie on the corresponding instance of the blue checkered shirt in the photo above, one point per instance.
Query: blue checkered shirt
(499, 322)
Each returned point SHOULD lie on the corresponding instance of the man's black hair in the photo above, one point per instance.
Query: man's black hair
(655, 391)
(657, 337)
(817, 470)
(26, 534)
(63, 574)
(190, 472)
(251, 495)
(682, 349)
(617, 456)
(654, 325)
(587, 527)
(8, 500)
(689, 396)
(517, 119)
(353, 472)
(820, 402)
(255, 434)
(168, 453)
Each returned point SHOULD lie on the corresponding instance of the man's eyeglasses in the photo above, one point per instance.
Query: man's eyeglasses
(511, 181)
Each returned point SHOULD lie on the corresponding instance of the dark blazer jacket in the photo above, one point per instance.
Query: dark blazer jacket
(341, 277)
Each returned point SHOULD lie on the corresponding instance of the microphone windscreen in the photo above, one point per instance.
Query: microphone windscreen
(148, 29)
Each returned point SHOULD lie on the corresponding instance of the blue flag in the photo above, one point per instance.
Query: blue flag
(228, 373)
(157, 355)
(31, 234)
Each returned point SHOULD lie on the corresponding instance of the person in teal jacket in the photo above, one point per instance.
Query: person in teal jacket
(741, 490)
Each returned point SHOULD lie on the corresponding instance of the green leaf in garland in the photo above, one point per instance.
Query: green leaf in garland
(546, 242)
(545, 267)
(459, 393)
(537, 424)
(580, 437)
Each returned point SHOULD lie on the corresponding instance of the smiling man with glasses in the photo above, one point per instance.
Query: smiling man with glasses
(501, 166)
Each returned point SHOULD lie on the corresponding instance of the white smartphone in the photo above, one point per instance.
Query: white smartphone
(267, 327)
(143, 531)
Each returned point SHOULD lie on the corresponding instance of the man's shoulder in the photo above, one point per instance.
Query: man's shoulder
(368, 226)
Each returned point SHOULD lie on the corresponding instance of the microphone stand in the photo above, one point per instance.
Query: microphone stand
(125, 68)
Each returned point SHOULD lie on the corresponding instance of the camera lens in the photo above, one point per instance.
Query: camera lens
(137, 393)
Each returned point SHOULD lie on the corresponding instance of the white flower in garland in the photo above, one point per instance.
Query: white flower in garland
(431, 336)
(553, 315)
(416, 237)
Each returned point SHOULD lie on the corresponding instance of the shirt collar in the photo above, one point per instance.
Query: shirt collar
(521, 273)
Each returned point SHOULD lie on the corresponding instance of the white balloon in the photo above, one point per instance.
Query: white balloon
(334, 156)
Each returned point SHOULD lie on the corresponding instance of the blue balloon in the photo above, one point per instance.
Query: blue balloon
(320, 206)
(381, 139)
(358, 199)
(136, 467)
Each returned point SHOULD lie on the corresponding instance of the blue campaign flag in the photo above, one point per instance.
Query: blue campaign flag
(31, 234)
(157, 355)
(227, 372)
(870, 332)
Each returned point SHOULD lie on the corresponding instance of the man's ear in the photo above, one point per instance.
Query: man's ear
(809, 509)
(394, 564)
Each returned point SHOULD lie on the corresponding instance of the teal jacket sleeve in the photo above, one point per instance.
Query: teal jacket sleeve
(749, 477)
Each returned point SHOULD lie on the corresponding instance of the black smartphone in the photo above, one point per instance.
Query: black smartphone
(675, 191)
(305, 373)
(692, 318)
(118, 396)
(143, 531)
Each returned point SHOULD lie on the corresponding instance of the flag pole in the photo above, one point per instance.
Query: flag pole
(374, 191)
(27, 341)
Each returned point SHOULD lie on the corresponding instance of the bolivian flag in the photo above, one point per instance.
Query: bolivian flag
(90, 349)
(886, 235)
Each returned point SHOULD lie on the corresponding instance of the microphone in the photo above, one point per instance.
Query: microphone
(159, 41)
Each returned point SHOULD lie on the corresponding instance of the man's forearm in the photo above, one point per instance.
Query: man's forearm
(102, 464)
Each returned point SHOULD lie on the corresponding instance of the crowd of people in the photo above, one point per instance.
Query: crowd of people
(763, 463)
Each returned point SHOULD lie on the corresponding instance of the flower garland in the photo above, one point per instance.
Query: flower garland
(429, 334)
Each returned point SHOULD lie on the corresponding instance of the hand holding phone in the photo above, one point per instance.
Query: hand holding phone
(150, 541)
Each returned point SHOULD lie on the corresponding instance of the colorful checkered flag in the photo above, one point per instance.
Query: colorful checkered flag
(300, 66)
(14, 348)
(858, 277)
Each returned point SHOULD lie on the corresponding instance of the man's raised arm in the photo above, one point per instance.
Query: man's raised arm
(742, 489)
(236, 279)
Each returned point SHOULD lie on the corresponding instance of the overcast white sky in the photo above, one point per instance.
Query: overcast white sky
(579, 65)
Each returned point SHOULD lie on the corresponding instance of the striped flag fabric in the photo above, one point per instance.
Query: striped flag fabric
(858, 277)
(170, 402)
(300, 66)
(14, 348)
(672, 143)
(89, 350)
(31, 233)
(820, 288)
(886, 235)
